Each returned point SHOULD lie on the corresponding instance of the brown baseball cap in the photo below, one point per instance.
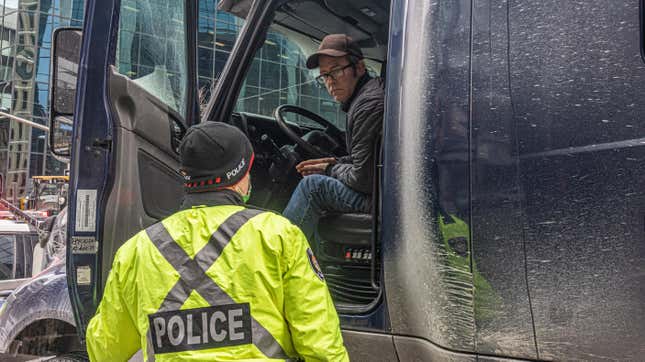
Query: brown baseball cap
(335, 45)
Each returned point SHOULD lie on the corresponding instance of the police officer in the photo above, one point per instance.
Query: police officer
(218, 280)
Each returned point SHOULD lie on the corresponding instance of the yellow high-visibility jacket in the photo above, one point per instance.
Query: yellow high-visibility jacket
(216, 283)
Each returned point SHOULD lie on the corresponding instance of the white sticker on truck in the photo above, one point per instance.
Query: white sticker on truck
(86, 210)
(83, 275)
(84, 245)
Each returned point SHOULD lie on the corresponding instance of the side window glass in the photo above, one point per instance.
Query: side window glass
(279, 76)
(216, 36)
(19, 257)
(152, 51)
(7, 244)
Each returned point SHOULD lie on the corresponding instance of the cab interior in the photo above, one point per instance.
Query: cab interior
(346, 245)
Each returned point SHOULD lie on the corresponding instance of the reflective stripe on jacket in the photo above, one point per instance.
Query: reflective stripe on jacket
(216, 283)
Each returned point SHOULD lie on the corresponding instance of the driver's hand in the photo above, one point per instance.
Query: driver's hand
(315, 166)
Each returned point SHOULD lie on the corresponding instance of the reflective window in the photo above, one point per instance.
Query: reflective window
(151, 51)
(7, 243)
(216, 35)
(278, 76)
(16, 253)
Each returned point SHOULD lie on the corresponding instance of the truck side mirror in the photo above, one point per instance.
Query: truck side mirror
(64, 71)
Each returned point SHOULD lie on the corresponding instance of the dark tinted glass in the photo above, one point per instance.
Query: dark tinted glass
(67, 53)
(7, 244)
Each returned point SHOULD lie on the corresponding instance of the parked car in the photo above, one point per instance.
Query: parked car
(18, 241)
(36, 316)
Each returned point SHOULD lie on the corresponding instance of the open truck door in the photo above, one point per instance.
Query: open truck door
(137, 95)
(136, 98)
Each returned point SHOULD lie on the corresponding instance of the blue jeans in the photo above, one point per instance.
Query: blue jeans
(317, 195)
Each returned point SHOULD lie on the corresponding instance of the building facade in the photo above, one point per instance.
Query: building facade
(26, 28)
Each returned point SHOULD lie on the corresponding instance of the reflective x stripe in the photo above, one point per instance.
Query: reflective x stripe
(193, 275)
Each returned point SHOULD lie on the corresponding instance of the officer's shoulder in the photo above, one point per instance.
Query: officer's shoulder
(140, 239)
(270, 215)
(127, 252)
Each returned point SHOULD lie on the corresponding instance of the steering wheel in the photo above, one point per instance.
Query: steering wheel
(329, 129)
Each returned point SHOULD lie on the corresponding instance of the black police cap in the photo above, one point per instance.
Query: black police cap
(214, 155)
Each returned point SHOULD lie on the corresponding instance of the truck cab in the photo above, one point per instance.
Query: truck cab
(510, 198)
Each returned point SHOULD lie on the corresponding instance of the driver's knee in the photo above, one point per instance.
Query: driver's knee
(305, 203)
(306, 192)
(312, 190)
(312, 184)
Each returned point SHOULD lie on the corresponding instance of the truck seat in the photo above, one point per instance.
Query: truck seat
(345, 256)
(344, 250)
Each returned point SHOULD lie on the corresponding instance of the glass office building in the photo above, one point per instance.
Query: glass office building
(25, 34)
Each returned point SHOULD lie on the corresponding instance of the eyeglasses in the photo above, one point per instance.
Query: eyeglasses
(333, 75)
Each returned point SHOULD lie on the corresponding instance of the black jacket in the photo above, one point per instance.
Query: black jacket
(364, 123)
